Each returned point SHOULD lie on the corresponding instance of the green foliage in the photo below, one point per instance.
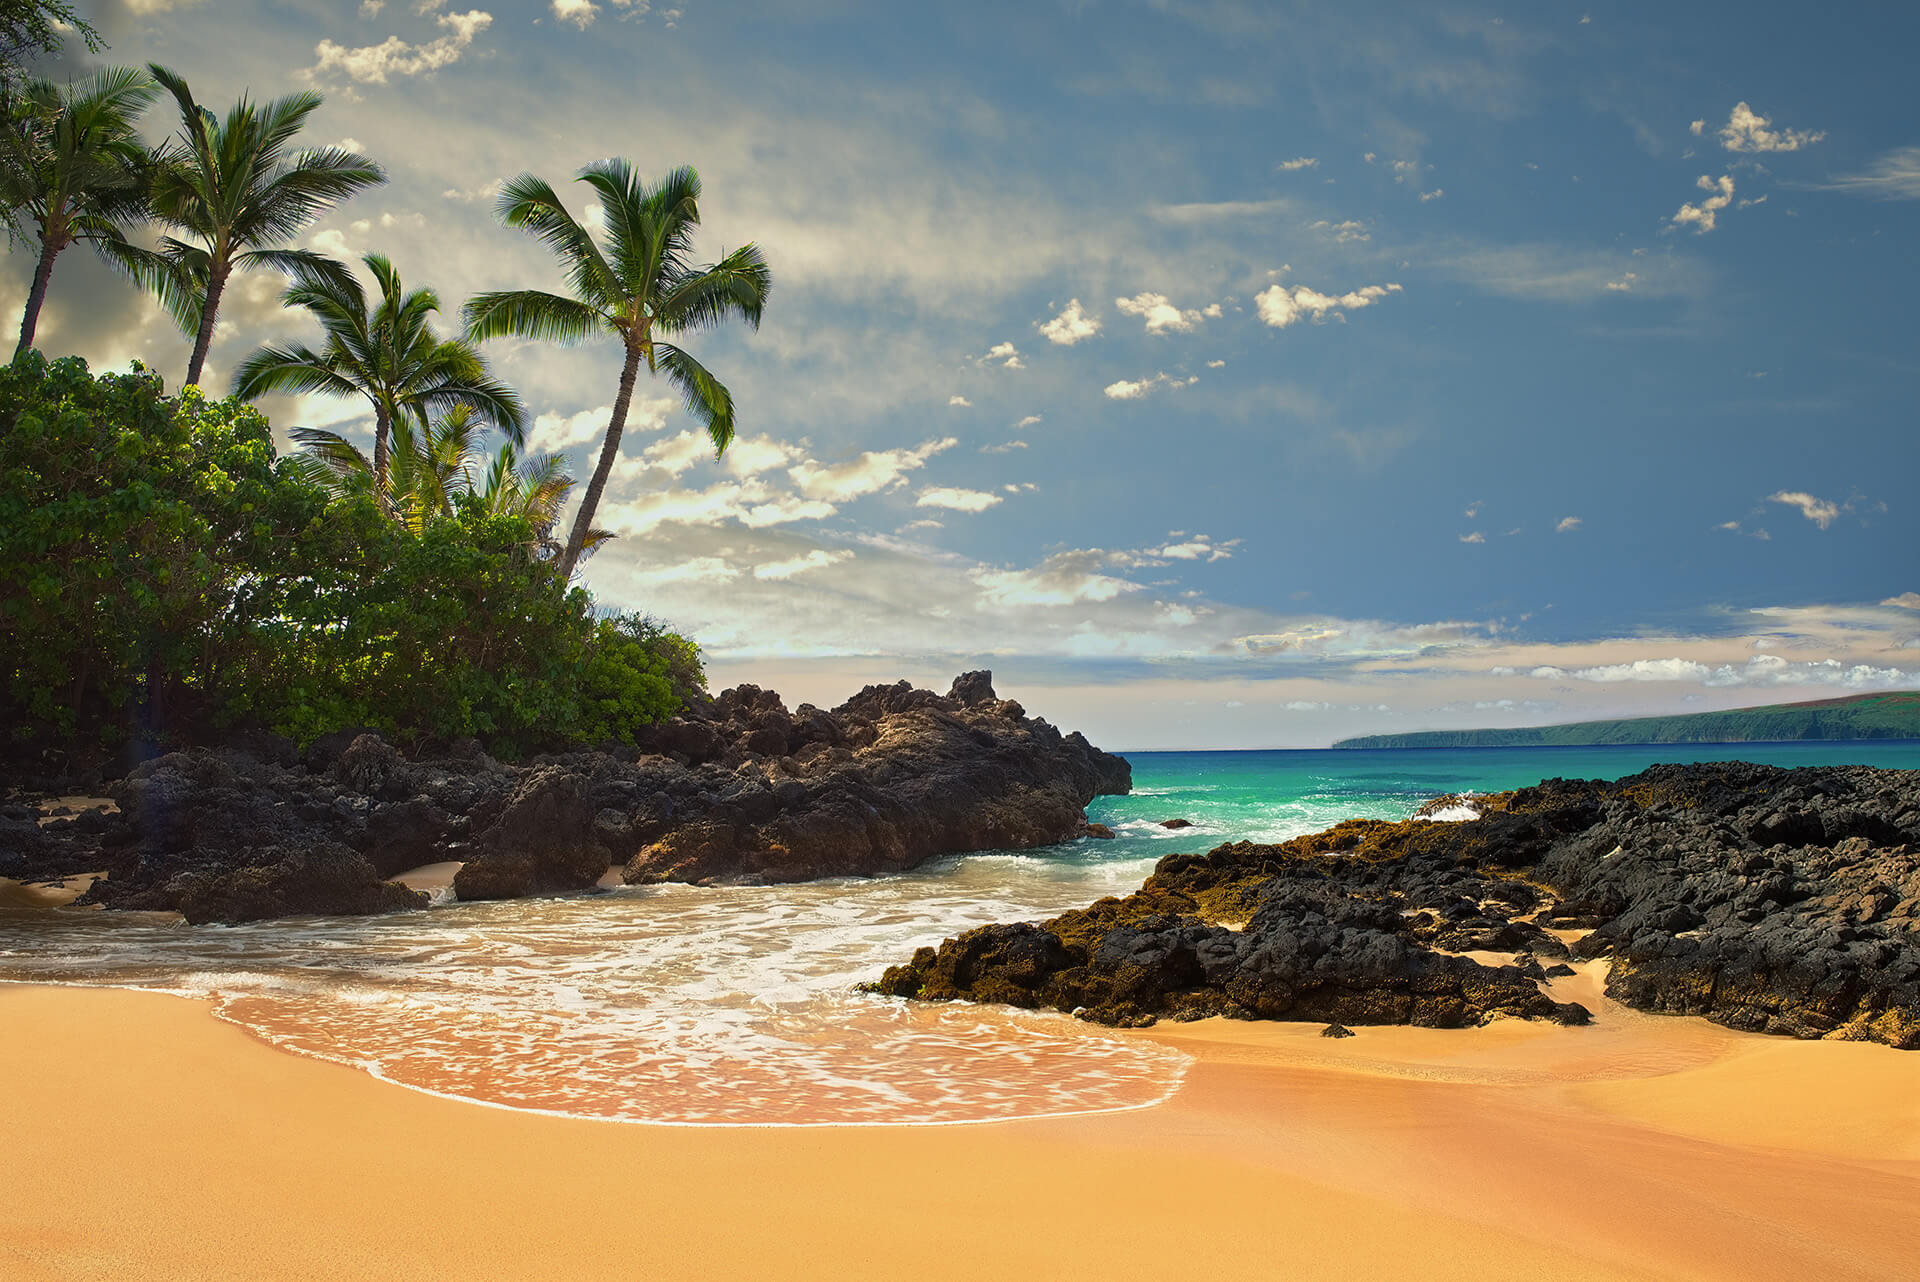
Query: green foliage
(163, 575)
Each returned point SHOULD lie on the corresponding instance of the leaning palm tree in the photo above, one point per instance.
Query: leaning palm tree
(73, 168)
(236, 191)
(389, 355)
(641, 288)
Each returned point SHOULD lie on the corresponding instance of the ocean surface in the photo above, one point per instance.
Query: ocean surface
(736, 1005)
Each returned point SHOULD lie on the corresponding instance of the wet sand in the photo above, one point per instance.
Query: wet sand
(147, 1139)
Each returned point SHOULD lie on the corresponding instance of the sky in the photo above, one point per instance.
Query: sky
(1219, 374)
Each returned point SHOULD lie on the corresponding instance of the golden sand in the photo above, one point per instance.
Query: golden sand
(1641, 1148)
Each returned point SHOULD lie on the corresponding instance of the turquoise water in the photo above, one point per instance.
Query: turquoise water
(737, 1005)
(1271, 796)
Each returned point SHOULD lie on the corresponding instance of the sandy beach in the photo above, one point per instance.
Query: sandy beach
(148, 1139)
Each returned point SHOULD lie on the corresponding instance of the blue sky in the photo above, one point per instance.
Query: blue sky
(1220, 374)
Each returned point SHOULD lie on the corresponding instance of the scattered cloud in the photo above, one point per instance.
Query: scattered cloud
(956, 500)
(817, 559)
(1006, 355)
(1026, 422)
(1704, 214)
(960, 401)
(1747, 130)
(1214, 211)
(1435, 194)
(1568, 524)
(1131, 390)
(1072, 325)
(1760, 670)
(1065, 578)
(1473, 537)
(1821, 512)
(1624, 284)
(1894, 176)
(580, 13)
(1343, 233)
(872, 472)
(1161, 315)
(1280, 306)
(375, 64)
(1298, 162)
(1905, 601)
(1216, 364)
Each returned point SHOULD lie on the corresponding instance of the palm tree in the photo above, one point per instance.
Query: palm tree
(431, 472)
(73, 168)
(390, 355)
(237, 190)
(641, 288)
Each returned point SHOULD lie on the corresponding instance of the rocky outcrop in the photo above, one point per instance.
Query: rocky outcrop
(888, 779)
(324, 878)
(1765, 899)
(543, 841)
(738, 788)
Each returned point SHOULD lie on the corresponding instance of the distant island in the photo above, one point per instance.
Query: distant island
(1893, 715)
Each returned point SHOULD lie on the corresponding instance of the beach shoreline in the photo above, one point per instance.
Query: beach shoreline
(1643, 1147)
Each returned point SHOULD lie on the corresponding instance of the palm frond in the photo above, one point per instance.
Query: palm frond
(531, 313)
(528, 201)
(707, 399)
(736, 286)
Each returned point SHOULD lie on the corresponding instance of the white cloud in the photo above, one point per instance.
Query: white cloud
(956, 500)
(1747, 130)
(558, 433)
(374, 64)
(818, 559)
(700, 569)
(1435, 194)
(1819, 511)
(580, 13)
(1704, 214)
(1026, 422)
(1216, 364)
(752, 455)
(960, 401)
(1280, 306)
(1697, 128)
(1065, 578)
(1905, 601)
(1133, 390)
(1005, 447)
(1213, 211)
(1161, 315)
(1072, 325)
(872, 472)
(1894, 176)
(1568, 524)
(1006, 353)
(1624, 284)
(677, 453)
(1473, 537)
(1343, 233)
(1298, 162)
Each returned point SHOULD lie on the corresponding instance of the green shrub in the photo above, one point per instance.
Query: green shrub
(164, 576)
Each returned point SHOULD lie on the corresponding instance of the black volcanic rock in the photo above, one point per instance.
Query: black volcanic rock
(738, 788)
(545, 840)
(1780, 901)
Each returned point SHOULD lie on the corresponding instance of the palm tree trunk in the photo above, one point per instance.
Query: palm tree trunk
(216, 285)
(583, 521)
(382, 455)
(30, 321)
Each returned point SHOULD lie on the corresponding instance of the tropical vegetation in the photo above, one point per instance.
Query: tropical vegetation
(640, 288)
(167, 575)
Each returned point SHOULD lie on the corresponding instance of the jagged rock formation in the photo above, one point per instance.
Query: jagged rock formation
(738, 788)
(1780, 901)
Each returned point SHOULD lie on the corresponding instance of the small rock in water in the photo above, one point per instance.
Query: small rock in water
(1101, 831)
(1336, 1030)
(1176, 823)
